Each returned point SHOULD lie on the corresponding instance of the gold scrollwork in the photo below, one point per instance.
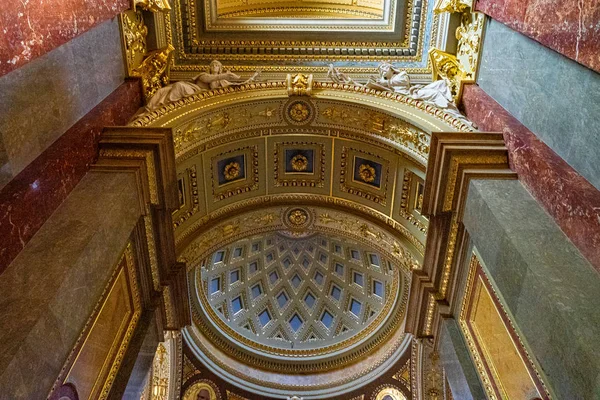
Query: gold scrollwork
(452, 6)
(134, 33)
(154, 71)
(152, 5)
(299, 84)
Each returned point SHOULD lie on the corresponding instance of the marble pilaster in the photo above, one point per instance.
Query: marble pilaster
(568, 27)
(567, 196)
(52, 286)
(46, 97)
(33, 28)
(548, 288)
(460, 371)
(29, 199)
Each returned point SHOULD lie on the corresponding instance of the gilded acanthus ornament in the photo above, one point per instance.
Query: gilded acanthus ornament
(154, 71)
(447, 68)
(299, 111)
(152, 5)
(299, 84)
(298, 217)
(452, 6)
(134, 33)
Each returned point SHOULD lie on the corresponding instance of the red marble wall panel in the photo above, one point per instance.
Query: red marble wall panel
(31, 28)
(31, 197)
(568, 197)
(571, 27)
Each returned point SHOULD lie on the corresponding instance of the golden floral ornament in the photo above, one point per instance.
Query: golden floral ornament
(298, 217)
(367, 173)
(299, 163)
(299, 112)
(232, 171)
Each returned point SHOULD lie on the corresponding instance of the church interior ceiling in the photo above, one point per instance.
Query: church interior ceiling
(279, 37)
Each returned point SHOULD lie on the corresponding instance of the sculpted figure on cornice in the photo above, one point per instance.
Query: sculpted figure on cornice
(216, 78)
(392, 79)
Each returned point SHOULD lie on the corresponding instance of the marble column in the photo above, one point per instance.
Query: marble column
(549, 290)
(51, 288)
(571, 28)
(32, 28)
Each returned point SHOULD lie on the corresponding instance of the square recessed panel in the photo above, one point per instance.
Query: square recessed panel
(327, 319)
(309, 299)
(215, 285)
(298, 161)
(282, 299)
(355, 307)
(367, 172)
(336, 292)
(231, 169)
(264, 317)
(296, 322)
(256, 291)
(236, 304)
(378, 288)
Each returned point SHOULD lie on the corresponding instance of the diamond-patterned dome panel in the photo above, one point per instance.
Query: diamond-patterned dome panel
(297, 293)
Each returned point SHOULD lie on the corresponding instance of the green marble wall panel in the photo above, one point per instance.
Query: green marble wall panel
(555, 97)
(44, 98)
(548, 287)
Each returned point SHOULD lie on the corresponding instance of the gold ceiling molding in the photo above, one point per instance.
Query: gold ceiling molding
(417, 112)
(454, 159)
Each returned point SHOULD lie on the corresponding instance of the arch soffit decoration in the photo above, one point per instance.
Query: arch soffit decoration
(393, 127)
(396, 124)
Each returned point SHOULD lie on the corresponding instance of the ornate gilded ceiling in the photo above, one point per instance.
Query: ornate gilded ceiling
(281, 36)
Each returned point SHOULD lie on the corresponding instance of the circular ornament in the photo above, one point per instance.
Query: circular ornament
(299, 112)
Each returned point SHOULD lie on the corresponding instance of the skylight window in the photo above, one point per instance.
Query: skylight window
(336, 292)
(296, 281)
(309, 299)
(282, 299)
(374, 258)
(253, 267)
(286, 263)
(219, 256)
(236, 305)
(378, 288)
(256, 290)
(273, 277)
(215, 285)
(358, 278)
(323, 258)
(296, 322)
(237, 252)
(270, 257)
(234, 276)
(264, 317)
(339, 269)
(355, 254)
(319, 278)
(255, 247)
(305, 263)
(327, 319)
(355, 307)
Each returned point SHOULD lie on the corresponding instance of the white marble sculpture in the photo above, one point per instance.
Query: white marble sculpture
(392, 79)
(214, 79)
